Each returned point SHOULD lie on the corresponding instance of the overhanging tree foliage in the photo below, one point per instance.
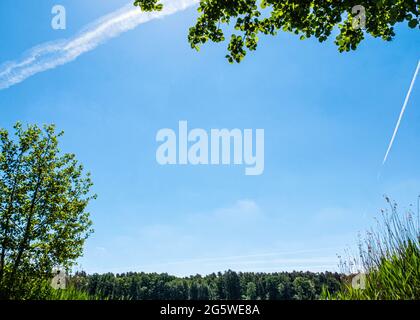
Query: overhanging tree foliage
(43, 197)
(305, 18)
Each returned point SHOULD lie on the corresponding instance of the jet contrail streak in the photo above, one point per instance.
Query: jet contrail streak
(407, 98)
(53, 54)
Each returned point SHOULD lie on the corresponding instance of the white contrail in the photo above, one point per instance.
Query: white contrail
(407, 98)
(50, 55)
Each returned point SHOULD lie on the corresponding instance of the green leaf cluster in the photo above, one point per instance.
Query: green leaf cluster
(149, 5)
(246, 20)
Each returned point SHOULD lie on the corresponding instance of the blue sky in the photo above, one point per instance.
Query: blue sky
(328, 118)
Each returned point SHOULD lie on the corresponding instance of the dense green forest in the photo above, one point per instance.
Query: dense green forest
(229, 285)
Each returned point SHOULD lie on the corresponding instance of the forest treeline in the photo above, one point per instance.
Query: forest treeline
(228, 285)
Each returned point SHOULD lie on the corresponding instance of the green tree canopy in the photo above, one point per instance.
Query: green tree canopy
(305, 18)
(304, 289)
(43, 199)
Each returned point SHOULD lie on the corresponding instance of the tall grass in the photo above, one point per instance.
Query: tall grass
(70, 294)
(43, 291)
(389, 256)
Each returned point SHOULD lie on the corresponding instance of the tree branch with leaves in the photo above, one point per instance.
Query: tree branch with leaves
(305, 18)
